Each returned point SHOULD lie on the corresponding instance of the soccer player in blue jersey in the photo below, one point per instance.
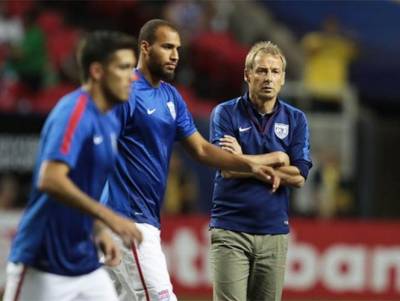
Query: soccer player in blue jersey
(249, 223)
(54, 255)
(153, 119)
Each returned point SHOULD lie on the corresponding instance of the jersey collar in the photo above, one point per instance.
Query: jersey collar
(261, 121)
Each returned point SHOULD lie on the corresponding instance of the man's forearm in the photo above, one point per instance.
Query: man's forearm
(214, 156)
(229, 174)
(54, 181)
(290, 176)
(273, 159)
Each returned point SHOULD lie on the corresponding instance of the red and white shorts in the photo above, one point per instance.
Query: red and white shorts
(26, 284)
(143, 274)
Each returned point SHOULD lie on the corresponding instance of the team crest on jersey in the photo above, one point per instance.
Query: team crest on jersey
(281, 130)
(171, 107)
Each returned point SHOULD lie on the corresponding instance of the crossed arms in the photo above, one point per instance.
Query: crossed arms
(279, 161)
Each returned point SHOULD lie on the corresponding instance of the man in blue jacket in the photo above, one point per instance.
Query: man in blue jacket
(249, 221)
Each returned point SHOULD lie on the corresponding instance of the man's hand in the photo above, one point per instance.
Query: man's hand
(230, 144)
(266, 174)
(260, 172)
(123, 227)
(281, 159)
(103, 239)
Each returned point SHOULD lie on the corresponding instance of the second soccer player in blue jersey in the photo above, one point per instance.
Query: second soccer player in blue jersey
(154, 118)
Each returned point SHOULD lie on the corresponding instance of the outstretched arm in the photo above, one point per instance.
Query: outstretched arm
(212, 155)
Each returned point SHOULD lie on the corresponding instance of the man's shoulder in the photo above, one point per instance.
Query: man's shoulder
(168, 87)
(290, 108)
(71, 111)
(228, 105)
(69, 103)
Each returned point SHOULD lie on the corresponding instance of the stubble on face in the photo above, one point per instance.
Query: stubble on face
(163, 55)
(157, 69)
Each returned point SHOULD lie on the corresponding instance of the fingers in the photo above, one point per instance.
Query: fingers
(271, 177)
(269, 172)
(228, 140)
(138, 236)
(276, 181)
(228, 149)
(226, 143)
(266, 175)
(113, 256)
(126, 240)
(125, 229)
(134, 233)
(230, 144)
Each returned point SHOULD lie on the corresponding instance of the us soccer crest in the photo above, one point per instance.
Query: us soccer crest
(171, 107)
(281, 130)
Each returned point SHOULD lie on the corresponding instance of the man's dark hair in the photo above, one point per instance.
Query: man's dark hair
(99, 46)
(148, 30)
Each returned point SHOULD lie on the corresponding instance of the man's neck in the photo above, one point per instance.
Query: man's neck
(263, 106)
(98, 97)
(144, 69)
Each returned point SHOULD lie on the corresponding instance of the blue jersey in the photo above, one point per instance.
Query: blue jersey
(54, 237)
(151, 121)
(248, 205)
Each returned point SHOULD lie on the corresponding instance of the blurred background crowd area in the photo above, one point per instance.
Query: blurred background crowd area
(343, 71)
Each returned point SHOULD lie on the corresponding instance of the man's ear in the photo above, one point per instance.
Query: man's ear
(246, 75)
(144, 47)
(283, 77)
(96, 70)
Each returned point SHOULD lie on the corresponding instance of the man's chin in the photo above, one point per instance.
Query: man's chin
(267, 96)
(168, 76)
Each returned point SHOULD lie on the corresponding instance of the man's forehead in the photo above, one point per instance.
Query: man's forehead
(267, 59)
(123, 55)
(165, 34)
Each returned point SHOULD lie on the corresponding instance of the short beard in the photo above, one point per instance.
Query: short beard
(111, 98)
(156, 69)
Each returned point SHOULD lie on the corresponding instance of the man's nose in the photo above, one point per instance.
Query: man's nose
(174, 55)
(268, 76)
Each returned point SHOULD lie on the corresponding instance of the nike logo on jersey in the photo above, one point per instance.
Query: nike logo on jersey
(150, 111)
(244, 129)
(97, 140)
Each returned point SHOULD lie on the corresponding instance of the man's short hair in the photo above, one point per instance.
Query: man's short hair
(265, 47)
(99, 46)
(148, 30)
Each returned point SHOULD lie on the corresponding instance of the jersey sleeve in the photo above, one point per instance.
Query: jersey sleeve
(184, 119)
(220, 124)
(299, 152)
(66, 133)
